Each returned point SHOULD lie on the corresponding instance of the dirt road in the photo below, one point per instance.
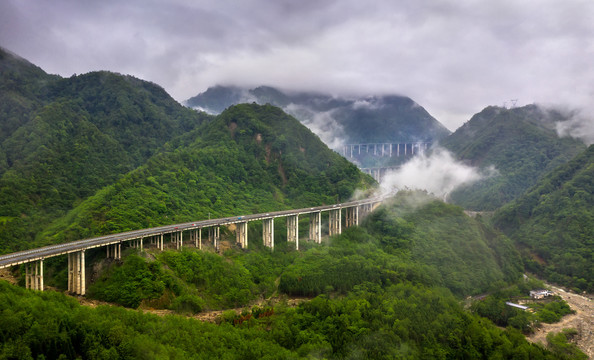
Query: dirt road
(582, 321)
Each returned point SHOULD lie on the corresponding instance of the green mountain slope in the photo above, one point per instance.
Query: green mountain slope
(553, 223)
(337, 120)
(521, 144)
(413, 237)
(61, 140)
(22, 86)
(138, 114)
(380, 291)
(249, 159)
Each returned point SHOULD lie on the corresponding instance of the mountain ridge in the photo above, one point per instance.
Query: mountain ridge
(337, 120)
(520, 143)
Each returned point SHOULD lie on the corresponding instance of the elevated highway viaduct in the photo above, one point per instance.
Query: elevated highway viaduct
(75, 250)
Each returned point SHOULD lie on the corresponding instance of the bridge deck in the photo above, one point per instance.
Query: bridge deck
(26, 256)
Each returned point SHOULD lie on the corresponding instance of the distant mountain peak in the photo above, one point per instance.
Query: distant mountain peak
(336, 120)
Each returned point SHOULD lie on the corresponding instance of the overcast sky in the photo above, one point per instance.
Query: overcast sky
(453, 57)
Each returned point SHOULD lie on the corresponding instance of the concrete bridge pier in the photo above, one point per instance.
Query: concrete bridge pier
(352, 216)
(178, 239)
(315, 227)
(34, 275)
(293, 230)
(242, 234)
(268, 232)
(161, 242)
(76, 273)
(216, 237)
(334, 225)
(114, 251)
(397, 150)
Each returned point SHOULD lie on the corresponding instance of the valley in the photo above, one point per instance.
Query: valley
(115, 160)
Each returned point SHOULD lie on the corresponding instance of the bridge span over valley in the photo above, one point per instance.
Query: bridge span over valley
(175, 234)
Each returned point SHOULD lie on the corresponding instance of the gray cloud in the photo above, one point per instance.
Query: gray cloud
(452, 57)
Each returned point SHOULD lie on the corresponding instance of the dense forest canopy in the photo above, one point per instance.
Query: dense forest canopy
(101, 152)
(372, 297)
(554, 224)
(521, 144)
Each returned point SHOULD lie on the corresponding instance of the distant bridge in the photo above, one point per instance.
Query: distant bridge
(385, 149)
(378, 173)
(33, 259)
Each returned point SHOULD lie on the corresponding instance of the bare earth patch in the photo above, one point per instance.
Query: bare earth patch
(582, 321)
(5, 274)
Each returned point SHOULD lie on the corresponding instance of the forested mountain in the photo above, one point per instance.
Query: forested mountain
(102, 153)
(249, 159)
(22, 86)
(421, 239)
(553, 223)
(520, 144)
(61, 140)
(337, 120)
(377, 296)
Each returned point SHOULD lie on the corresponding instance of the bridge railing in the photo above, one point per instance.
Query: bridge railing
(76, 249)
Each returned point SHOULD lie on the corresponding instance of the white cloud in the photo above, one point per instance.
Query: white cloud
(438, 173)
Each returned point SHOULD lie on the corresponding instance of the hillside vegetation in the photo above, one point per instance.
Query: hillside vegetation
(520, 144)
(393, 245)
(375, 295)
(553, 224)
(62, 140)
(339, 120)
(102, 152)
(249, 159)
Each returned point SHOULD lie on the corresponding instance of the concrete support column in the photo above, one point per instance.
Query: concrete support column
(268, 232)
(69, 272)
(181, 239)
(315, 227)
(352, 216)
(83, 285)
(141, 243)
(293, 230)
(334, 224)
(27, 276)
(40, 287)
(34, 276)
(217, 237)
(242, 234)
(161, 242)
(200, 238)
(76, 273)
(397, 150)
